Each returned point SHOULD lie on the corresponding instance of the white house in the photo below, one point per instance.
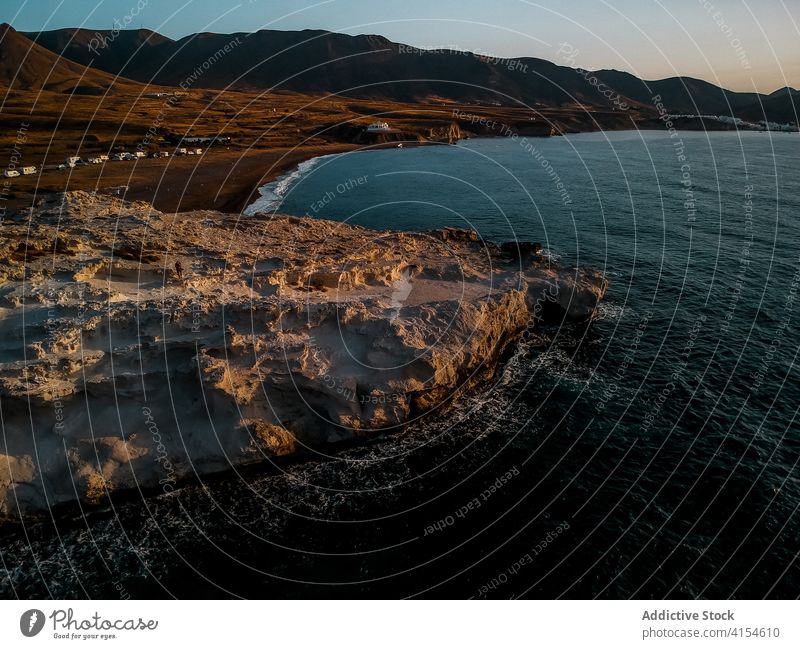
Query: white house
(27, 171)
(378, 127)
(11, 173)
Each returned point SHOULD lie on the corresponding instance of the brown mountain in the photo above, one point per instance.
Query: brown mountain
(782, 106)
(370, 66)
(25, 65)
(313, 61)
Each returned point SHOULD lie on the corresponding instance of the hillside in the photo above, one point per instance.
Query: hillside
(313, 61)
(25, 65)
(782, 106)
(364, 67)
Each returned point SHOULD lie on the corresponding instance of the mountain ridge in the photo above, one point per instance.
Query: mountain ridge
(371, 66)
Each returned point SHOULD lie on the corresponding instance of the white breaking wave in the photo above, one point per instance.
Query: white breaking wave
(273, 193)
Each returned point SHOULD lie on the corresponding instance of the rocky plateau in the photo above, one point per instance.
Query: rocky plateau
(281, 336)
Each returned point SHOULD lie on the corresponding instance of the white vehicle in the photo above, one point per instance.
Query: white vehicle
(378, 127)
(28, 171)
(181, 151)
(140, 154)
(93, 161)
(11, 173)
(198, 151)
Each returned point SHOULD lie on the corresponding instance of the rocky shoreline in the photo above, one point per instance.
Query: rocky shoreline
(281, 335)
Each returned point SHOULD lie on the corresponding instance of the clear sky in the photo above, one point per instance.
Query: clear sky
(740, 44)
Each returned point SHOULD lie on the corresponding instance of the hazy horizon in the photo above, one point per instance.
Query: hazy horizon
(723, 42)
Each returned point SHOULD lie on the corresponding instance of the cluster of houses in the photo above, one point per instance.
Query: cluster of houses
(763, 125)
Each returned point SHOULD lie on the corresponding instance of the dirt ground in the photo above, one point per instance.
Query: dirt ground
(269, 134)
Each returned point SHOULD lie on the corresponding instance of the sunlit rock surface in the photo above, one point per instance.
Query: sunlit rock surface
(283, 335)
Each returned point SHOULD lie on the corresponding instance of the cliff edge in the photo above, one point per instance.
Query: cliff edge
(280, 335)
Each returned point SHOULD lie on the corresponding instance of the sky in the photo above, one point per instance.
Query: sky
(739, 44)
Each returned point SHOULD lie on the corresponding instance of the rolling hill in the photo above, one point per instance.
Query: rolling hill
(25, 65)
(313, 61)
(365, 66)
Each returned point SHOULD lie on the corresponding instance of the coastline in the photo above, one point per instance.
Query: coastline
(260, 199)
(305, 302)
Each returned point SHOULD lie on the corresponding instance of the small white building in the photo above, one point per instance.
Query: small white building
(72, 161)
(378, 127)
(28, 171)
(11, 173)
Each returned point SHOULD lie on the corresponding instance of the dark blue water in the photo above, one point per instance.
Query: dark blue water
(653, 454)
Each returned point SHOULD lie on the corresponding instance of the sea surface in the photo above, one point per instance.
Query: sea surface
(653, 454)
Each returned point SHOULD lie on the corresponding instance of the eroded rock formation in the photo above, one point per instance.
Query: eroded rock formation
(284, 334)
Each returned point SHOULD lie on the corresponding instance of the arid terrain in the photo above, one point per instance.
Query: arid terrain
(269, 133)
(141, 349)
(265, 101)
